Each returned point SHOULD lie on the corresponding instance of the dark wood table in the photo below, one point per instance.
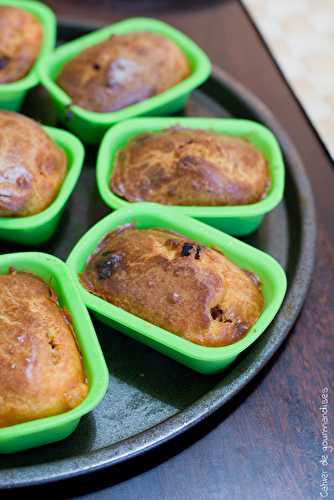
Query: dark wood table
(265, 444)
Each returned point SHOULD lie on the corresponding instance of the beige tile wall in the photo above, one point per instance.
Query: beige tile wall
(300, 34)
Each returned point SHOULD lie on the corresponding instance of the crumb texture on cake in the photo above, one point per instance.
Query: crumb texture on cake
(41, 371)
(32, 166)
(180, 166)
(123, 70)
(21, 37)
(186, 288)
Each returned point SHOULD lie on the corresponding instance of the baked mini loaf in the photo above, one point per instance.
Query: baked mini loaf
(21, 37)
(181, 166)
(32, 166)
(41, 372)
(123, 70)
(165, 278)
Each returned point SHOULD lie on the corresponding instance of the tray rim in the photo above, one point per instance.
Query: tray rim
(172, 427)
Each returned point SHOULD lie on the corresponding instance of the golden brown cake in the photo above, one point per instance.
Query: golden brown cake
(123, 70)
(21, 37)
(32, 166)
(165, 278)
(181, 166)
(41, 372)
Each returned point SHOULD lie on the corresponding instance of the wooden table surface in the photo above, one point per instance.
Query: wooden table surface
(265, 444)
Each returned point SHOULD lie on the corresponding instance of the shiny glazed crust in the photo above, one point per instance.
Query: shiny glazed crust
(163, 277)
(41, 372)
(32, 166)
(123, 70)
(190, 167)
(21, 37)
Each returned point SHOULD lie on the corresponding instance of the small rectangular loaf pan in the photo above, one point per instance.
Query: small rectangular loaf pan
(47, 430)
(12, 94)
(199, 358)
(237, 220)
(89, 125)
(38, 228)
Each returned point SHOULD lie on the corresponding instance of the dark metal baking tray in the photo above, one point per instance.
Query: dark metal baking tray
(152, 398)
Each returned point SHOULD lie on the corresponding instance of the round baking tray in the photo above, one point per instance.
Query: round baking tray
(151, 398)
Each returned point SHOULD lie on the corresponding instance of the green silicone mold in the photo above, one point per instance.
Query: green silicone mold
(90, 126)
(236, 220)
(47, 430)
(201, 359)
(13, 94)
(36, 229)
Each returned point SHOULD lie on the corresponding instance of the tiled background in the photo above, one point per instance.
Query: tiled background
(300, 34)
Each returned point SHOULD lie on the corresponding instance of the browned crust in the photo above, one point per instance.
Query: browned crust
(32, 166)
(190, 167)
(170, 281)
(123, 70)
(41, 372)
(21, 37)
